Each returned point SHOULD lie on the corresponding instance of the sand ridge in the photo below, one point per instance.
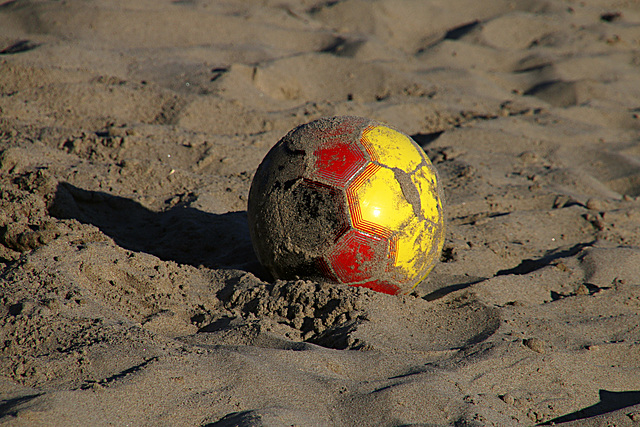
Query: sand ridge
(129, 291)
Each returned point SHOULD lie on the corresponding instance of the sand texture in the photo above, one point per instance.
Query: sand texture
(129, 291)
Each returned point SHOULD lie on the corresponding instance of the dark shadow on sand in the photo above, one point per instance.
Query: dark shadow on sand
(530, 265)
(181, 234)
(455, 283)
(609, 401)
(11, 407)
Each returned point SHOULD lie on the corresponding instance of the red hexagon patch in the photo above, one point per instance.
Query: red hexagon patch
(358, 256)
(337, 161)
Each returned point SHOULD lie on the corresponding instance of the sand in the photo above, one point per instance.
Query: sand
(130, 293)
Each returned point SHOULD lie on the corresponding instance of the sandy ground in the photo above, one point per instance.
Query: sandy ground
(129, 135)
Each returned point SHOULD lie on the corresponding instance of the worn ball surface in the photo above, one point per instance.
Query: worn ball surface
(348, 200)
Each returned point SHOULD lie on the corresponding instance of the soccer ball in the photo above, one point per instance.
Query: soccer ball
(347, 200)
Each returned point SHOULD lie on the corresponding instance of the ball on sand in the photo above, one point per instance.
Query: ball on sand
(347, 200)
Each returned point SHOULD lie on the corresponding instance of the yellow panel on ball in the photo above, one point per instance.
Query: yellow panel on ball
(412, 243)
(391, 148)
(430, 203)
(376, 202)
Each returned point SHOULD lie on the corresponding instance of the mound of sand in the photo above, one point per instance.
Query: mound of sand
(129, 290)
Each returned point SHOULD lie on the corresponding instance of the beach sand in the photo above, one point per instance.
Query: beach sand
(129, 290)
